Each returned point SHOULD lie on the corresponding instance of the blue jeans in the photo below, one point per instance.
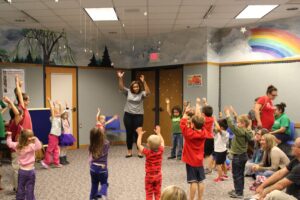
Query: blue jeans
(238, 170)
(98, 175)
(266, 173)
(177, 142)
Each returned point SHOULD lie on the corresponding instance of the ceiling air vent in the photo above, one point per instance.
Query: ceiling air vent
(131, 10)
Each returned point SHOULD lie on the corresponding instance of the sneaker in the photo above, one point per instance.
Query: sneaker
(231, 192)
(128, 156)
(218, 179)
(237, 196)
(58, 166)
(44, 165)
(225, 177)
(207, 171)
(140, 156)
(171, 157)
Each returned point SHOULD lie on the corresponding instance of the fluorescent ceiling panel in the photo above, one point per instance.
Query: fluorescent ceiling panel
(255, 11)
(102, 14)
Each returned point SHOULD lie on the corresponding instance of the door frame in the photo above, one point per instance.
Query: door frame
(47, 92)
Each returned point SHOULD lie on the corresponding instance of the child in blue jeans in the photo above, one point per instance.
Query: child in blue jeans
(176, 115)
(98, 152)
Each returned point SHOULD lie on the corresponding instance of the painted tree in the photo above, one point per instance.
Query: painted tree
(47, 42)
(93, 61)
(29, 58)
(106, 62)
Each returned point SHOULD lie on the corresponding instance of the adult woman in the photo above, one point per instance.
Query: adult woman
(134, 110)
(281, 126)
(273, 158)
(264, 110)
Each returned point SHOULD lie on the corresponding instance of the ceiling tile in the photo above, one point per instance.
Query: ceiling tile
(60, 11)
(194, 8)
(63, 4)
(228, 8)
(164, 2)
(6, 7)
(39, 13)
(189, 21)
(131, 3)
(96, 3)
(197, 2)
(163, 9)
(162, 16)
(183, 16)
(29, 5)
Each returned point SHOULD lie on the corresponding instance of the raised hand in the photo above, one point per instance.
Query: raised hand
(120, 74)
(204, 101)
(142, 78)
(198, 100)
(227, 111)
(167, 101)
(6, 99)
(140, 131)
(157, 130)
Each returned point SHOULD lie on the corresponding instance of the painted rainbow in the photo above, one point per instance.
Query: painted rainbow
(276, 42)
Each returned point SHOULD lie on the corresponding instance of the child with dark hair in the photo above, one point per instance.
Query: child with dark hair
(193, 152)
(98, 153)
(177, 141)
(221, 137)
(154, 156)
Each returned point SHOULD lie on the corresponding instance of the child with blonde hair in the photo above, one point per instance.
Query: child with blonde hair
(173, 192)
(25, 147)
(101, 119)
(53, 137)
(154, 154)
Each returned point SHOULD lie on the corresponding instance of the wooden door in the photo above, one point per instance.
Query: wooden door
(149, 103)
(170, 86)
(61, 85)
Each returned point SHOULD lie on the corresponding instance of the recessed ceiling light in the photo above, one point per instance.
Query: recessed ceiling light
(145, 13)
(102, 14)
(255, 11)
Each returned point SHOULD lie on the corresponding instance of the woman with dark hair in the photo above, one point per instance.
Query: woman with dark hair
(264, 110)
(281, 126)
(134, 109)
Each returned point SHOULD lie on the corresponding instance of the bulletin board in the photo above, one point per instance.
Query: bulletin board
(41, 124)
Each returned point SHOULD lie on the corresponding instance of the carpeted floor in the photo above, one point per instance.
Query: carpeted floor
(126, 179)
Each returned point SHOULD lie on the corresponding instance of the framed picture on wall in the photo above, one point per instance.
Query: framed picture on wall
(9, 84)
(194, 80)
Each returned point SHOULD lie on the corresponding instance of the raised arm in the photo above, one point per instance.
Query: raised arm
(51, 104)
(10, 143)
(204, 100)
(140, 133)
(217, 126)
(168, 106)
(3, 106)
(120, 79)
(198, 106)
(234, 113)
(111, 119)
(19, 91)
(157, 131)
(98, 114)
(147, 90)
(14, 109)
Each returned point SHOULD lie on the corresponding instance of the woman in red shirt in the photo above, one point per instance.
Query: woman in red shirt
(264, 109)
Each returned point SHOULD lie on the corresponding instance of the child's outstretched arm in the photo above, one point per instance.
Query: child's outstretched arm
(19, 91)
(14, 109)
(147, 89)
(140, 133)
(198, 106)
(168, 106)
(98, 114)
(157, 131)
(217, 126)
(234, 113)
(204, 100)
(112, 119)
(10, 143)
(51, 106)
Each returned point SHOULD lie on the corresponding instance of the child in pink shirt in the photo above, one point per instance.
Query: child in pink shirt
(25, 147)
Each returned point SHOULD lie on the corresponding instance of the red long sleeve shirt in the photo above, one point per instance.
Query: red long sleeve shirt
(193, 149)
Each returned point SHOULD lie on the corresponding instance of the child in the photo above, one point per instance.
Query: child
(221, 138)
(101, 120)
(2, 131)
(193, 152)
(207, 112)
(175, 115)
(154, 155)
(25, 147)
(98, 152)
(66, 138)
(15, 127)
(173, 192)
(55, 132)
(242, 135)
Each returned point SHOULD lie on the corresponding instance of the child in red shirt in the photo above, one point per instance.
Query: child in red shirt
(193, 152)
(154, 154)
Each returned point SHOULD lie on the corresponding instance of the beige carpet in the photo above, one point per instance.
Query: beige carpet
(126, 179)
